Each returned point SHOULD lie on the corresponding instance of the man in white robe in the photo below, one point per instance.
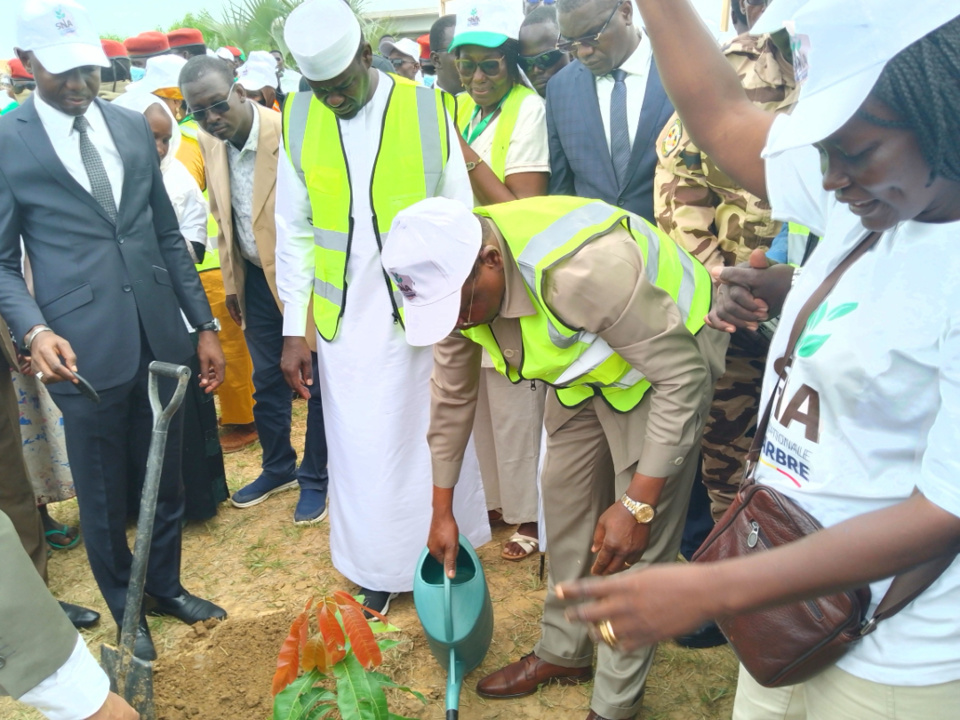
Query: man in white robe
(375, 386)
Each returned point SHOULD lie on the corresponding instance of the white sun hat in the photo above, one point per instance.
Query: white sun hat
(840, 47)
(431, 248)
(323, 36)
(60, 35)
(408, 47)
(162, 71)
(257, 73)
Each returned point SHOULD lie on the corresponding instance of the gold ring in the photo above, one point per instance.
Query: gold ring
(606, 632)
(627, 564)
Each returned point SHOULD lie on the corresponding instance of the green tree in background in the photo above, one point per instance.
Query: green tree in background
(258, 24)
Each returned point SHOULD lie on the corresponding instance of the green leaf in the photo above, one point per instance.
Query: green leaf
(360, 696)
(379, 627)
(811, 344)
(387, 682)
(387, 644)
(841, 310)
(392, 716)
(817, 316)
(295, 700)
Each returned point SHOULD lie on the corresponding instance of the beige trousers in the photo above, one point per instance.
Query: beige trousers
(507, 431)
(579, 483)
(837, 695)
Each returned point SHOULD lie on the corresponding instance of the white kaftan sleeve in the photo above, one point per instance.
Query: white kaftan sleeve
(295, 262)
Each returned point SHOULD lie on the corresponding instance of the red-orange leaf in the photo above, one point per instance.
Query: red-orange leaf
(288, 661)
(347, 599)
(330, 626)
(362, 641)
(315, 655)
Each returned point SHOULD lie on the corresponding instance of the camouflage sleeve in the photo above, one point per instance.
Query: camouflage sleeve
(684, 203)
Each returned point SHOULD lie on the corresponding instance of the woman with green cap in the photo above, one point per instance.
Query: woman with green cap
(502, 121)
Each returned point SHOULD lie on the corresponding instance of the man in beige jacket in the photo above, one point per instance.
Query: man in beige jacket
(608, 311)
(240, 147)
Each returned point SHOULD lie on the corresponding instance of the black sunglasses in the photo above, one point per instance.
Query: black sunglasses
(398, 62)
(21, 86)
(591, 40)
(219, 107)
(467, 68)
(544, 61)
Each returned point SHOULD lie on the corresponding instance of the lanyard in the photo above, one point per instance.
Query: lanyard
(482, 125)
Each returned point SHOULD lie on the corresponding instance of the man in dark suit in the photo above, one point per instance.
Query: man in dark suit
(81, 185)
(606, 109)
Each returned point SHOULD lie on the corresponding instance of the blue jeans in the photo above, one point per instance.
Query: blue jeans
(272, 395)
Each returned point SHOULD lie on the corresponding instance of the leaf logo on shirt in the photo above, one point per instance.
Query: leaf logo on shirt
(810, 342)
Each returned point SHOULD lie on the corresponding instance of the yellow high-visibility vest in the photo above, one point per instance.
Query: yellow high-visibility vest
(509, 112)
(410, 159)
(542, 232)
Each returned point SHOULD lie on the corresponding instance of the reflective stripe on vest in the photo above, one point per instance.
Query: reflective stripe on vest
(544, 231)
(798, 238)
(412, 152)
(509, 112)
(189, 128)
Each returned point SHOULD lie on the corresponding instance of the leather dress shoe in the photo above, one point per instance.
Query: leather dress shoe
(81, 617)
(186, 607)
(705, 636)
(143, 645)
(524, 676)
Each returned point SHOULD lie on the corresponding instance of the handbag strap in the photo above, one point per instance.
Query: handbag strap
(908, 585)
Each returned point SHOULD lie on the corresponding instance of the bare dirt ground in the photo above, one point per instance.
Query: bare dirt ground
(262, 568)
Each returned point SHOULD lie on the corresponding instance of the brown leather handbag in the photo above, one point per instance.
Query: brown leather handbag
(791, 643)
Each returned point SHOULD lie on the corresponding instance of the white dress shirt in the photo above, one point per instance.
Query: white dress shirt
(242, 165)
(75, 691)
(637, 67)
(66, 143)
(295, 243)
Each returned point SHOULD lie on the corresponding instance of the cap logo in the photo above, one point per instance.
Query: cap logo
(800, 49)
(64, 21)
(405, 285)
(474, 18)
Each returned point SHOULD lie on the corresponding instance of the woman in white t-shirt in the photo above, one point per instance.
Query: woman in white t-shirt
(866, 431)
(503, 135)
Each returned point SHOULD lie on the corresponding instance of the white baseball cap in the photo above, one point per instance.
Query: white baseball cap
(60, 35)
(405, 45)
(257, 73)
(323, 36)
(487, 23)
(162, 71)
(840, 48)
(224, 54)
(429, 253)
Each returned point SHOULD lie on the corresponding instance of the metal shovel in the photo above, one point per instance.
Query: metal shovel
(131, 677)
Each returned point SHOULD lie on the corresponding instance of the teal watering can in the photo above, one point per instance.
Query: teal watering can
(456, 616)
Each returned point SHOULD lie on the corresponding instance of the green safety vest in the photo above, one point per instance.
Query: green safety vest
(800, 243)
(509, 112)
(188, 127)
(412, 154)
(544, 231)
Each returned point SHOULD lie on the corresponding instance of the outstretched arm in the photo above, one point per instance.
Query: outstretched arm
(706, 92)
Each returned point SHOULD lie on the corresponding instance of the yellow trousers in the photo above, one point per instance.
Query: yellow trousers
(236, 392)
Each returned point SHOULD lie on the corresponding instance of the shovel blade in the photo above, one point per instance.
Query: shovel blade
(131, 678)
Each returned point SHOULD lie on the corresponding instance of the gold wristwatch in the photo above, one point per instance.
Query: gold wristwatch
(641, 512)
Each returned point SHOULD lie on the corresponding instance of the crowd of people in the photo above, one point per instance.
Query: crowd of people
(595, 262)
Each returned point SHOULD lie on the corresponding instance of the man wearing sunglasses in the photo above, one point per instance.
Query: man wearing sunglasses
(403, 55)
(605, 109)
(539, 56)
(240, 149)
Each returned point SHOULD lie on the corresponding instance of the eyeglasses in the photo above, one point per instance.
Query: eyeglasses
(399, 62)
(490, 68)
(219, 107)
(591, 40)
(544, 61)
(464, 319)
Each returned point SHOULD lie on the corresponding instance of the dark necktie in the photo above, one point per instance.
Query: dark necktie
(93, 164)
(619, 126)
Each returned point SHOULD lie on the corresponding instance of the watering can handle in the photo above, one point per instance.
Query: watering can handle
(448, 605)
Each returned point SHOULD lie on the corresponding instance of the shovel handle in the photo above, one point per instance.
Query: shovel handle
(180, 373)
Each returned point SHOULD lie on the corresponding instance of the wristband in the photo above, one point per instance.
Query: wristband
(32, 335)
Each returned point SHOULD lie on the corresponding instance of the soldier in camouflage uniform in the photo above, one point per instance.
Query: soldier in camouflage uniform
(720, 223)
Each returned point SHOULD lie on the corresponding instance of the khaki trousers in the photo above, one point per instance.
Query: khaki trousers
(16, 493)
(837, 695)
(579, 483)
(507, 430)
(236, 392)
